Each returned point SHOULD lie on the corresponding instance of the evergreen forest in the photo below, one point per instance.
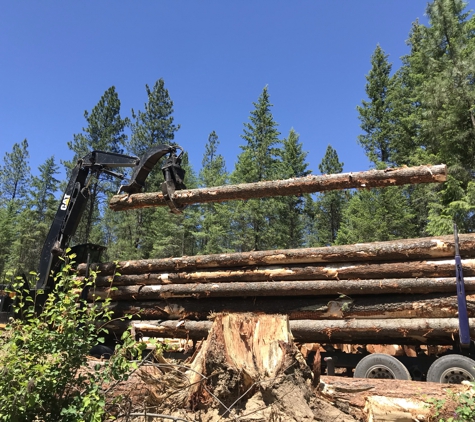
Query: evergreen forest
(420, 113)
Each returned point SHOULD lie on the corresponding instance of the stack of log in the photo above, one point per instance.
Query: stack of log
(401, 291)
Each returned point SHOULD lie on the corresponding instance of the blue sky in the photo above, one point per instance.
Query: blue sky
(58, 58)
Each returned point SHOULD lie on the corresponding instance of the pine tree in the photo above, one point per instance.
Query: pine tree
(215, 217)
(42, 205)
(15, 174)
(407, 145)
(375, 114)
(7, 236)
(376, 215)
(292, 209)
(440, 70)
(43, 190)
(154, 232)
(155, 125)
(24, 254)
(406, 111)
(329, 206)
(14, 185)
(105, 132)
(455, 204)
(31, 223)
(256, 221)
(389, 207)
(174, 234)
(213, 170)
(448, 92)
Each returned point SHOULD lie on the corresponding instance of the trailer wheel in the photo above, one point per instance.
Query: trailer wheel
(379, 365)
(452, 369)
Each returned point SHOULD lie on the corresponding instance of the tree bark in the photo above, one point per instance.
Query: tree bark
(413, 331)
(296, 186)
(358, 395)
(395, 250)
(163, 284)
(141, 290)
(332, 307)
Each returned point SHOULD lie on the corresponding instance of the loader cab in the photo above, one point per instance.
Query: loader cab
(87, 253)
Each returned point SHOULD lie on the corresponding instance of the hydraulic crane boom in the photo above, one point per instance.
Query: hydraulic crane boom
(76, 195)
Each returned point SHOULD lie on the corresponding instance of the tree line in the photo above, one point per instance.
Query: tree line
(423, 113)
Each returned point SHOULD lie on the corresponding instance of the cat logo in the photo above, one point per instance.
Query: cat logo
(65, 202)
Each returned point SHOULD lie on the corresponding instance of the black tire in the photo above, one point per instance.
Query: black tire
(379, 365)
(101, 352)
(452, 369)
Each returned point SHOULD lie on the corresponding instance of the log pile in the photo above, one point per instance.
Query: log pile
(395, 292)
(400, 291)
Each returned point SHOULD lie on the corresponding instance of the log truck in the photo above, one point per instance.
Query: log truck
(74, 201)
(455, 366)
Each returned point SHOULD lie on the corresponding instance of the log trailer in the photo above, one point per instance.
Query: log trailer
(452, 367)
(74, 201)
(400, 292)
(329, 297)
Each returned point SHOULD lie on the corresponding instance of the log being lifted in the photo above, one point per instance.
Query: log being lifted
(403, 249)
(340, 272)
(296, 186)
(435, 331)
(333, 307)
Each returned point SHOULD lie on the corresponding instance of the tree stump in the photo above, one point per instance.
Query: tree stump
(250, 368)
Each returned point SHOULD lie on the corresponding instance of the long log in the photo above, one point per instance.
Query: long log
(296, 186)
(403, 249)
(357, 397)
(330, 307)
(143, 291)
(344, 271)
(431, 331)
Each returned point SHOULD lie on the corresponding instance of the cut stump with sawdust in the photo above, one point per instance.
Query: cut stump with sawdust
(249, 367)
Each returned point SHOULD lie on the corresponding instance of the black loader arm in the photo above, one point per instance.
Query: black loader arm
(75, 198)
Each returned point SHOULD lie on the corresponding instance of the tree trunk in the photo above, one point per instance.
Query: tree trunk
(412, 331)
(162, 282)
(381, 400)
(395, 250)
(296, 186)
(142, 291)
(358, 307)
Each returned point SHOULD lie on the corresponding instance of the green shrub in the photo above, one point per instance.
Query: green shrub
(44, 370)
(458, 408)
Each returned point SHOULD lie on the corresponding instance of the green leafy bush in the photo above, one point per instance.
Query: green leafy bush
(45, 373)
(458, 408)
